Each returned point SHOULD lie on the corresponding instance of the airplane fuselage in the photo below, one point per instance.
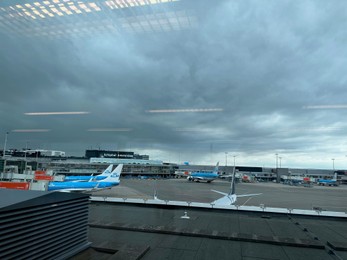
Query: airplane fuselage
(83, 178)
(328, 182)
(80, 185)
(203, 176)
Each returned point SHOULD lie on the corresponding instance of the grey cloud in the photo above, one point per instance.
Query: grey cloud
(257, 61)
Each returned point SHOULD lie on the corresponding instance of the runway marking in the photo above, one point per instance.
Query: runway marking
(246, 201)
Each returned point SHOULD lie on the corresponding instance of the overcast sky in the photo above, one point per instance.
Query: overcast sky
(271, 76)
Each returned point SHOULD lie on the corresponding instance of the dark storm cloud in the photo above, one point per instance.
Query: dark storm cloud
(260, 62)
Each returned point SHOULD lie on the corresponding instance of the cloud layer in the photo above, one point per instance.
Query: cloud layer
(262, 64)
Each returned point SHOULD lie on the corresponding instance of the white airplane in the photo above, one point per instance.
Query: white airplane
(72, 186)
(230, 198)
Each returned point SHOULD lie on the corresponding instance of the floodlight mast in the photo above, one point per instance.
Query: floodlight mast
(4, 154)
(277, 176)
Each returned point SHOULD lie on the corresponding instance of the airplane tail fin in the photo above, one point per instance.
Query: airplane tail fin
(115, 175)
(216, 168)
(232, 185)
(155, 196)
(108, 171)
(228, 198)
(335, 176)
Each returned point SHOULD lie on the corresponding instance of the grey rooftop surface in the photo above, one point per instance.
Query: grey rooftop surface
(142, 231)
(162, 233)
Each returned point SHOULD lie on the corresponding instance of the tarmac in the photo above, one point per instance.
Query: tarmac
(272, 194)
(126, 231)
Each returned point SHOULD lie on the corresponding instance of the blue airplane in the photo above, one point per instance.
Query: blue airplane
(99, 177)
(204, 176)
(332, 182)
(73, 186)
(230, 198)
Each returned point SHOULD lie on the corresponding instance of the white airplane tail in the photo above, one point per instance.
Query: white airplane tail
(232, 187)
(108, 171)
(230, 198)
(335, 177)
(216, 168)
(115, 174)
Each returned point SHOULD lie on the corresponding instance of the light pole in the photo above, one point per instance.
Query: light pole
(280, 161)
(37, 160)
(4, 151)
(25, 157)
(277, 178)
(4, 154)
(333, 164)
(226, 159)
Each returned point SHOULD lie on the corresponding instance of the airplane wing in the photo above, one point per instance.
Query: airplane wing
(96, 187)
(247, 195)
(63, 190)
(72, 190)
(91, 178)
(229, 199)
(83, 190)
(223, 193)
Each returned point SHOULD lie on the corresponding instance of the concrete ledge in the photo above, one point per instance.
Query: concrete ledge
(122, 251)
(339, 246)
(186, 204)
(281, 241)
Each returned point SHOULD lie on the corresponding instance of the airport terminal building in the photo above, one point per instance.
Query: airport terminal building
(136, 165)
(94, 162)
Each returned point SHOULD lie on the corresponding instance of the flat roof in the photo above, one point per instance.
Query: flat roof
(180, 232)
(162, 233)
